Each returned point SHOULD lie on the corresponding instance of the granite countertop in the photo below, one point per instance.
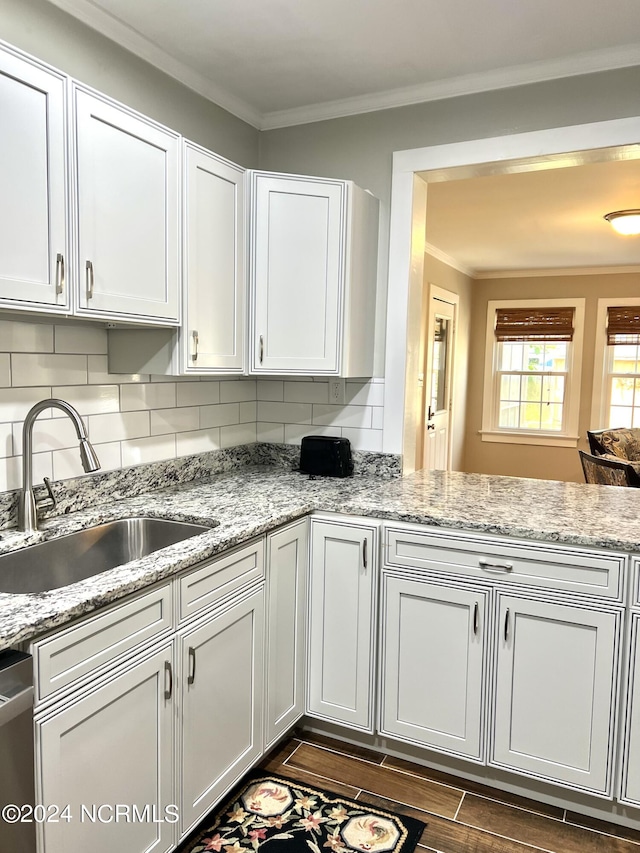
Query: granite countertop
(248, 502)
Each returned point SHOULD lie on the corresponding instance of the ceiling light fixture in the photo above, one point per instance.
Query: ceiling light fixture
(624, 221)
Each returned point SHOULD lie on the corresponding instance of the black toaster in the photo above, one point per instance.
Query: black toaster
(326, 456)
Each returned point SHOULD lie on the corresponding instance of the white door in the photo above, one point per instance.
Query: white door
(287, 568)
(222, 682)
(555, 691)
(112, 747)
(214, 273)
(298, 256)
(342, 626)
(438, 369)
(33, 229)
(127, 187)
(432, 668)
(631, 749)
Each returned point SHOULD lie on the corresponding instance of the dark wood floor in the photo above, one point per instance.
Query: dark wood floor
(461, 816)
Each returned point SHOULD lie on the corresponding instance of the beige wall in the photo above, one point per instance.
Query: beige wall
(46, 32)
(444, 276)
(549, 463)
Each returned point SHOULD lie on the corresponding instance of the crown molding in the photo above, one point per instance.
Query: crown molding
(133, 41)
(468, 84)
(430, 249)
(557, 271)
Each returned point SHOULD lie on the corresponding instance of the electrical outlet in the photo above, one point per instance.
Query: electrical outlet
(336, 391)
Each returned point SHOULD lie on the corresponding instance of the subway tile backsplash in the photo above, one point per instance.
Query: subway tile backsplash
(138, 418)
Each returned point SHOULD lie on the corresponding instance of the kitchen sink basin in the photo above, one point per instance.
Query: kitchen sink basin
(81, 555)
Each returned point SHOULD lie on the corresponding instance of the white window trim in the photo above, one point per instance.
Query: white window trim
(599, 396)
(569, 437)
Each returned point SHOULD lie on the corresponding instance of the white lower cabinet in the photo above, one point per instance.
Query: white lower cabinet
(341, 653)
(287, 569)
(433, 671)
(111, 749)
(556, 683)
(546, 692)
(630, 775)
(221, 668)
(141, 749)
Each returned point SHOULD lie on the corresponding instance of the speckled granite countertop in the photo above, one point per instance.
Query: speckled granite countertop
(249, 502)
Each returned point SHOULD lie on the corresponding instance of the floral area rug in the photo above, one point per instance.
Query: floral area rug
(271, 814)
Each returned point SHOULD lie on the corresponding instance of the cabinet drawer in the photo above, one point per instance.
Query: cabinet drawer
(574, 569)
(72, 654)
(215, 580)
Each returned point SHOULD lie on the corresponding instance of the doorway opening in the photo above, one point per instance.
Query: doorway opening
(435, 381)
(412, 172)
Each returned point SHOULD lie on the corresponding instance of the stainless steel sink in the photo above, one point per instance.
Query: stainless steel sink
(82, 555)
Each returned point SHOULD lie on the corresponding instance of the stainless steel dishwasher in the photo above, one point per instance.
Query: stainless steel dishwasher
(16, 753)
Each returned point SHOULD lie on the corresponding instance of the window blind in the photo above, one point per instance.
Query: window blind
(623, 325)
(534, 324)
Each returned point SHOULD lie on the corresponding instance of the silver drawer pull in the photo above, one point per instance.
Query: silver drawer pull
(494, 567)
(261, 348)
(364, 555)
(506, 626)
(196, 341)
(476, 614)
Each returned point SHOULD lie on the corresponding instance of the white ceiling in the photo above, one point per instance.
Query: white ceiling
(283, 62)
(535, 220)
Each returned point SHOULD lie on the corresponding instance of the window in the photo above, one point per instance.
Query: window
(622, 366)
(532, 379)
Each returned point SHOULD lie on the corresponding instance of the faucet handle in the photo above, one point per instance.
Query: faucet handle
(50, 502)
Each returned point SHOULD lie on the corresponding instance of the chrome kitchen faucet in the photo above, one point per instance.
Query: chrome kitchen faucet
(27, 513)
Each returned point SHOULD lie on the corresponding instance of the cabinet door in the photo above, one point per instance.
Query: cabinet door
(341, 629)
(298, 247)
(555, 691)
(33, 230)
(433, 651)
(112, 747)
(222, 682)
(127, 188)
(631, 749)
(214, 263)
(287, 566)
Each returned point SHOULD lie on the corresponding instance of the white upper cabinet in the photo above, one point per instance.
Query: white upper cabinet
(314, 258)
(127, 186)
(33, 215)
(214, 267)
